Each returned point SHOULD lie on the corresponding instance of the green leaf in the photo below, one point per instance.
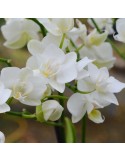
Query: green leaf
(39, 114)
(70, 134)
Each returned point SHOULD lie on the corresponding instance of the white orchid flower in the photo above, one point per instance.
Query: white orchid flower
(103, 86)
(103, 24)
(54, 66)
(4, 96)
(80, 104)
(103, 54)
(120, 27)
(18, 32)
(26, 87)
(57, 26)
(2, 137)
(52, 110)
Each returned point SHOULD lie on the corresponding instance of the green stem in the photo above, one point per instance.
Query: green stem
(33, 116)
(62, 41)
(55, 97)
(60, 131)
(77, 51)
(79, 48)
(95, 24)
(44, 32)
(122, 55)
(83, 128)
(14, 113)
(74, 89)
(6, 61)
(54, 124)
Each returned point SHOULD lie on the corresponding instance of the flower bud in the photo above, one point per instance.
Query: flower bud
(49, 110)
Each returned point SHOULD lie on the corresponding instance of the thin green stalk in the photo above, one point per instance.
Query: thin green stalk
(43, 30)
(55, 97)
(6, 61)
(98, 29)
(79, 48)
(74, 89)
(33, 116)
(77, 51)
(60, 132)
(70, 132)
(83, 128)
(14, 113)
(54, 124)
(62, 41)
(122, 55)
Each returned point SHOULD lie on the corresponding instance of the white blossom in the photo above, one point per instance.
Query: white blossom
(26, 87)
(52, 110)
(17, 32)
(54, 66)
(2, 137)
(120, 27)
(4, 96)
(57, 26)
(80, 104)
(102, 84)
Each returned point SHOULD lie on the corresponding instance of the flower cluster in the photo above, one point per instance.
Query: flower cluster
(62, 55)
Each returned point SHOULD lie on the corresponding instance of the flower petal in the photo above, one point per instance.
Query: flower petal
(58, 86)
(96, 117)
(4, 108)
(9, 76)
(82, 63)
(50, 26)
(115, 86)
(35, 47)
(76, 107)
(5, 96)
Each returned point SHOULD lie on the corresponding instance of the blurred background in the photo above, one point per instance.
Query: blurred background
(21, 130)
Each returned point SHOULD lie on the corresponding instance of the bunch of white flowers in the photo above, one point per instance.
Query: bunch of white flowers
(67, 56)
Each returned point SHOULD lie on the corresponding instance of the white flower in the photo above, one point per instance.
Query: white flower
(79, 104)
(4, 96)
(103, 86)
(2, 137)
(57, 26)
(120, 27)
(18, 32)
(54, 66)
(103, 54)
(26, 87)
(52, 110)
(103, 24)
